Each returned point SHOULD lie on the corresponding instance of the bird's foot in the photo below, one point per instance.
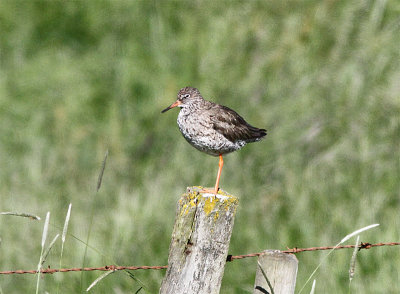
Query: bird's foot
(209, 191)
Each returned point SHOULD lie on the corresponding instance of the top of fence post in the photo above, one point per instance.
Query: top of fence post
(280, 270)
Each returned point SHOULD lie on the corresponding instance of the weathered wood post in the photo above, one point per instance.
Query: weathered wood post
(281, 271)
(200, 242)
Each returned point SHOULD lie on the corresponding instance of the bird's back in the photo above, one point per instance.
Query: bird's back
(216, 129)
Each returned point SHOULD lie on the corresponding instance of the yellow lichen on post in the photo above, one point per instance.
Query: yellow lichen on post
(187, 203)
(211, 199)
(209, 204)
(194, 197)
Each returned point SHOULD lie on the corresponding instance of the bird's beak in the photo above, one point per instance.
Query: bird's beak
(175, 104)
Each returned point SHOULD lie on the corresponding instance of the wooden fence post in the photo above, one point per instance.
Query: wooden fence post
(281, 271)
(200, 242)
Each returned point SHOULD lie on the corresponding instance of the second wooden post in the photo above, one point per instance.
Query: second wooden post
(276, 273)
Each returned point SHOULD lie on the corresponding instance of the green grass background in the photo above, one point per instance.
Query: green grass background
(80, 77)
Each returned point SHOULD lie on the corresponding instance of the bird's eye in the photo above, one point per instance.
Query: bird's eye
(186, 96)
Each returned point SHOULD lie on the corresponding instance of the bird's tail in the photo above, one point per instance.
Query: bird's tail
(256, 134)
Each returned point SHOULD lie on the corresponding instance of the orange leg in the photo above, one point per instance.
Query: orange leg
(220, 165)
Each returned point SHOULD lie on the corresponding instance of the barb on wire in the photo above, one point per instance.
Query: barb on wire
(229, 258)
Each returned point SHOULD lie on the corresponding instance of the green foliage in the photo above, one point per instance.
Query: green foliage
(80, 77)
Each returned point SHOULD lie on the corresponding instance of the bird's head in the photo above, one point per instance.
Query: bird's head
(186, 96)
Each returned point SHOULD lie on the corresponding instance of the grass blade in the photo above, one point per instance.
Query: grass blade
(99, 279)
(103, 167)
(44, 236)
(46, 228)
(99, 181)
(266, 278)
(357, 233)
(31, 216)
(63, 236)
(46, 253)
(313, 288)
(353, 261)
(65, 229)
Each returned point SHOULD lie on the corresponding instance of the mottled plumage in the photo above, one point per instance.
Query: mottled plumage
(212, 128)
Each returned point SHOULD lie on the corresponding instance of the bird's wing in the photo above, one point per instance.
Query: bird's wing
(232, 126)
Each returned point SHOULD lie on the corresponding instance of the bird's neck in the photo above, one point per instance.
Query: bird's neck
(193, 106)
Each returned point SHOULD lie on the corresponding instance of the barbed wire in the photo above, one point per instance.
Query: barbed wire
(84, 269)
(229, 258)
(298, 250)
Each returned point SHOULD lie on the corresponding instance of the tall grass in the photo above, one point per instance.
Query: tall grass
(41, 259)
(80, 77)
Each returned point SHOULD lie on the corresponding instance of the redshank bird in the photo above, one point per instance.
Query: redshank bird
(212, 128)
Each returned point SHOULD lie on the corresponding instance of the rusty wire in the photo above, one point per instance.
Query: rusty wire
(85, 269)
(229, 258)
(298, 250)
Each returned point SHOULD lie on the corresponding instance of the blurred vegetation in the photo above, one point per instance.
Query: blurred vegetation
(80, 77)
